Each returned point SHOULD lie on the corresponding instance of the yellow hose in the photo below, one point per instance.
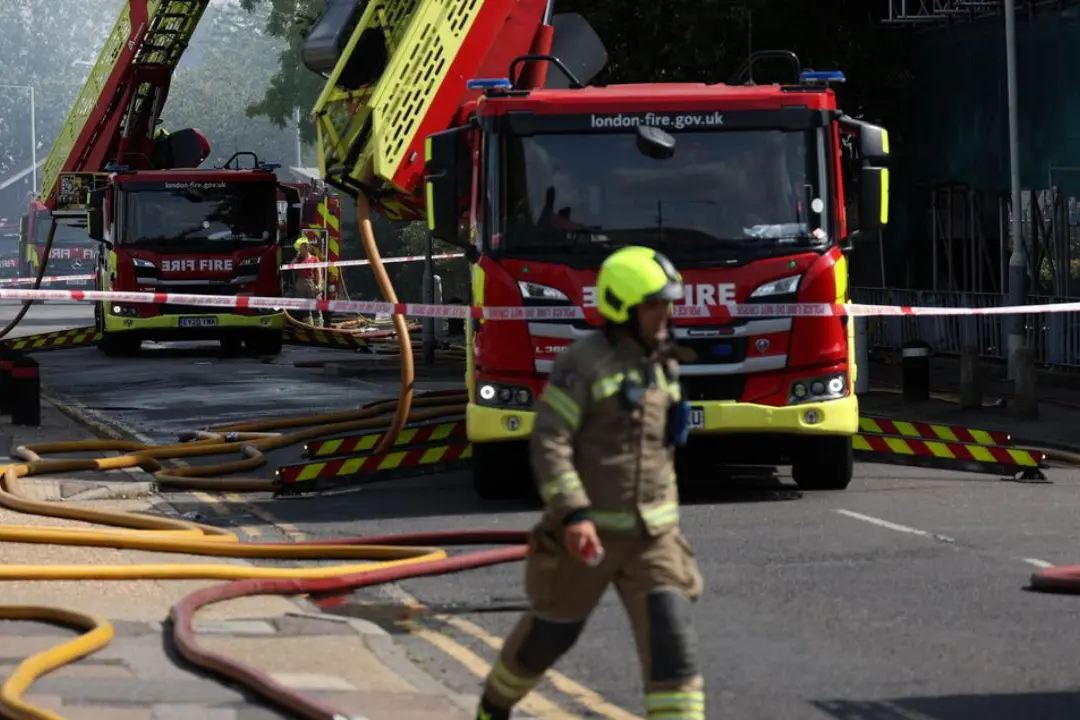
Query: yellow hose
(137, 532)
(98, 634)
(408, 370)
(167, 535)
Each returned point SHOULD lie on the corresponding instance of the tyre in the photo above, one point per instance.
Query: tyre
(501, 470)
(825, 463)
(265, 344)
(119, 344)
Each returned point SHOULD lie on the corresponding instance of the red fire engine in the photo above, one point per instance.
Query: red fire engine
(165, 224)
(540, 177)
(72, 252)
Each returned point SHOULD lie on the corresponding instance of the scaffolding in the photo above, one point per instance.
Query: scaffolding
(959, 168)
(931, 12)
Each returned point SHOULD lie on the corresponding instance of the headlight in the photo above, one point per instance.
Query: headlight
(505, 396)
(141, 263)
(249, 262)
(784, 286)
(814, 389)
(535, 291)
(125, 310)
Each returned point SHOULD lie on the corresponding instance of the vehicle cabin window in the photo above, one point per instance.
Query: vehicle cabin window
(720, 185)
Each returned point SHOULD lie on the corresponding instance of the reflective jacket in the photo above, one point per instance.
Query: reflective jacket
(599, 448)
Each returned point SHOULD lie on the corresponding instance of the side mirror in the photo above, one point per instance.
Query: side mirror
(873, 199)
(293, 219)
(95, 216)
(873, 142)
(873, 139)
(447, 168)
(652, 142)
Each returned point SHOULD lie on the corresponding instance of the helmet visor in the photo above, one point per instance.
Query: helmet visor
(669, 293)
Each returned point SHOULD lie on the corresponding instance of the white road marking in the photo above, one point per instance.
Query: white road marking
(1038, 563)
(894, 526)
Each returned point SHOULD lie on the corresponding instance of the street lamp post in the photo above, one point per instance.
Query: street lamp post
(33, 129)
(1018, 260)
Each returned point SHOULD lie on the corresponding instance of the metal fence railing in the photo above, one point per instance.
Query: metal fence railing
(1054, 336)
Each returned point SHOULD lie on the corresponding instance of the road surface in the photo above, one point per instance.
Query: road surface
(902, 597)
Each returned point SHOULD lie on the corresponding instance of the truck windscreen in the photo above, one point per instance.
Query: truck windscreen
(199, 213)
(65, 235)
(752, 191)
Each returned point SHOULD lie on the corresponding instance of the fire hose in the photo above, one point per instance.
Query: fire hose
(37, 283)
(388, 558)
(375, 560)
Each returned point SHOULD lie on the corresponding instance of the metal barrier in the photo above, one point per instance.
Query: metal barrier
(1055, 337)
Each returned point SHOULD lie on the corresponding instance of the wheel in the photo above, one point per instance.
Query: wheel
(826, 463)
(501, 470)
(119, 344)
(266, 343)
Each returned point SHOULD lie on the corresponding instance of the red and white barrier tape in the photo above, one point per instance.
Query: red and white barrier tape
(51, 278)
(356, 263)
(516, 313)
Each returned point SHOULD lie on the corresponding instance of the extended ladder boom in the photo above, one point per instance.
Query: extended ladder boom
(397, 72)
(113, 118)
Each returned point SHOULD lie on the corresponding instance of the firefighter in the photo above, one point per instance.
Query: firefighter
(602, 453)
(308, 280)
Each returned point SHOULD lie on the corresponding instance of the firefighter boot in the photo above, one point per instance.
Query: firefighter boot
(488, 711)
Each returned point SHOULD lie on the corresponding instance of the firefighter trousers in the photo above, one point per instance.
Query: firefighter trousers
(306, 288)
(656, 578)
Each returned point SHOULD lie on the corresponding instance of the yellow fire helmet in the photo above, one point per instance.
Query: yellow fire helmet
(633, 275)
(299, 242)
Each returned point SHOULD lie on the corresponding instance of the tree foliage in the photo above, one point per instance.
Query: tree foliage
(293, 86)
(51, 46)
(666, 41)
(675, 41)
(228, 67)
(42, 45)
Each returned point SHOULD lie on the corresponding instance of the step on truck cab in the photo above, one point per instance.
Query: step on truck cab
(741, 186)
(187, 231)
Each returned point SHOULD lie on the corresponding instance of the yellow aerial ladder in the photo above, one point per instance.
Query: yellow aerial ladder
(117, 109)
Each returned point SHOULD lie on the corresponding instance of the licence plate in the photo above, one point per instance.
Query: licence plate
(198, 322)
(697, 417)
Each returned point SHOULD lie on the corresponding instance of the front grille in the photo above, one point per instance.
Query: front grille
(713, 387)
(717, 350)
(175, 309)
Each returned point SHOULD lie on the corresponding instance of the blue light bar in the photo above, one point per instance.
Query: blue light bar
(821, 77)
(269, 166)
(489, 84)
(117, 168)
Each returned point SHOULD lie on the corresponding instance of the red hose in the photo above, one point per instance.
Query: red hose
(1064, 580)
(183, 613)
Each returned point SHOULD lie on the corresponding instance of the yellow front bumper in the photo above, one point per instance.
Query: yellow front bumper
(835, 417)
(117, 323)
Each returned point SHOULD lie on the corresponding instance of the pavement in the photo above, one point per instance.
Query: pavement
(1055, 427)
(902, 597)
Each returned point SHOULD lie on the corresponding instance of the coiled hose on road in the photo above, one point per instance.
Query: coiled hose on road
(375, 560)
